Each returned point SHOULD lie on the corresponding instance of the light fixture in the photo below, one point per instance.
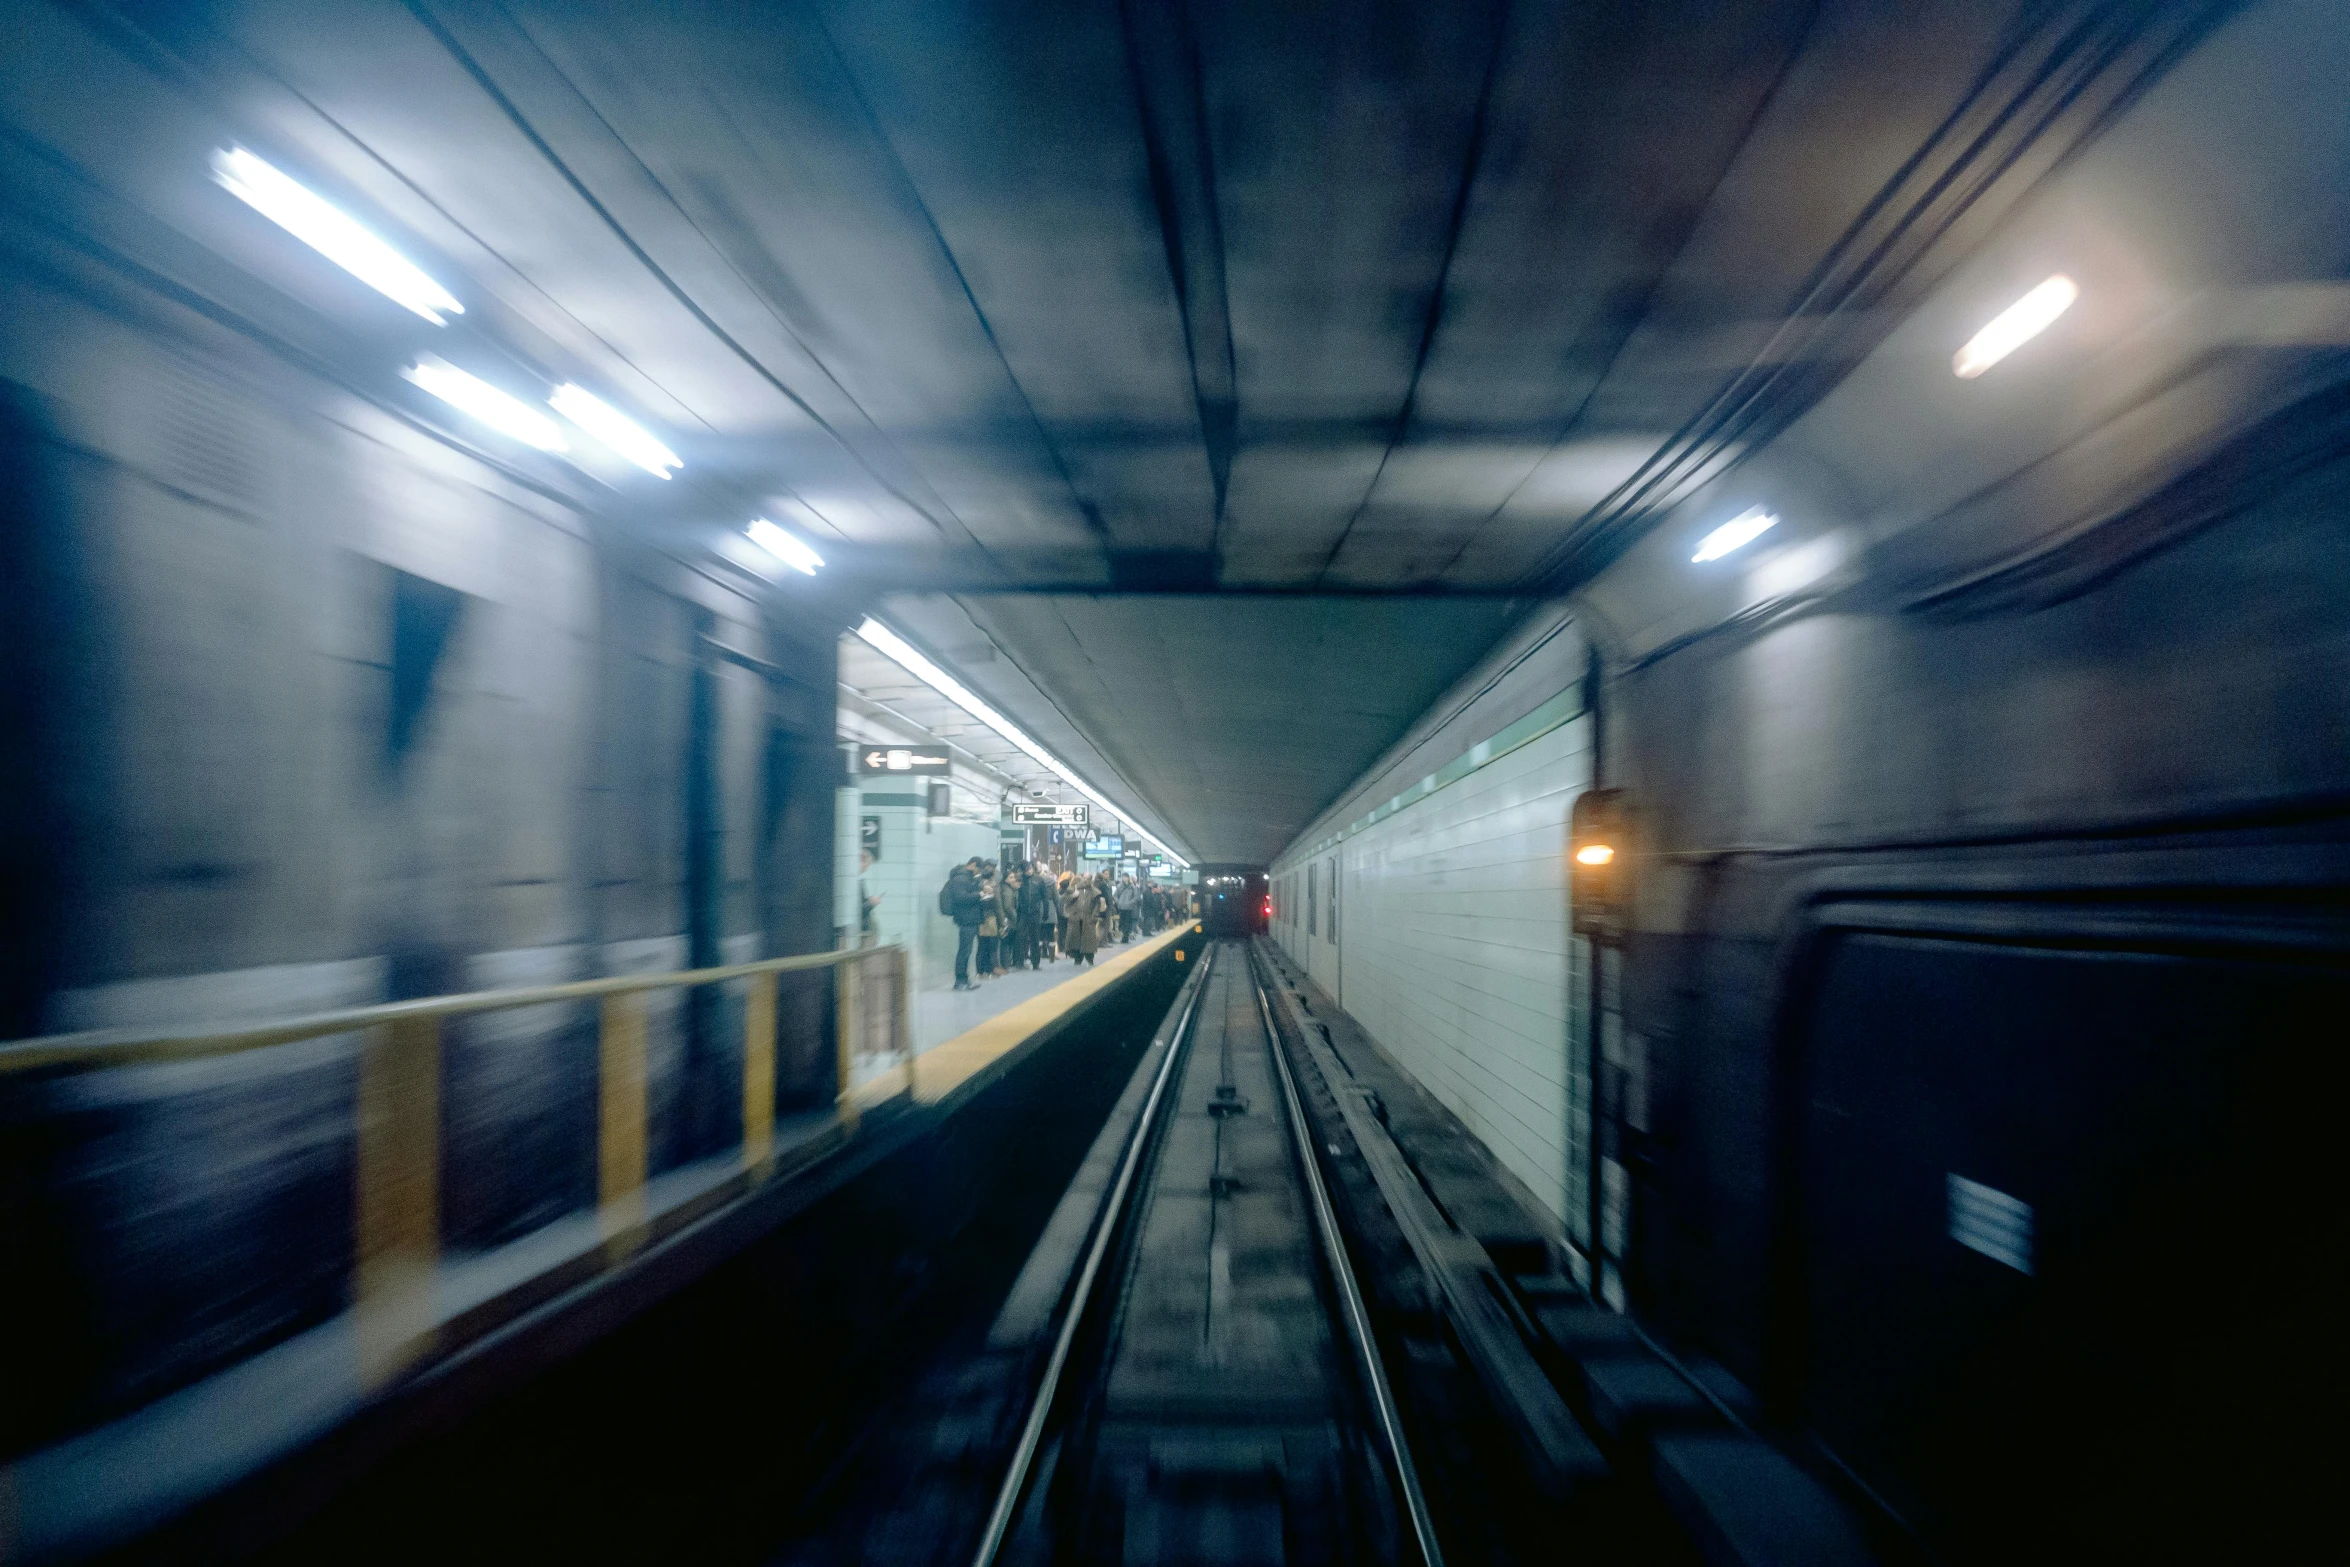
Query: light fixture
(501, 411)
(902, 653)
(1737, 533)
(1594, 854)
(784, 547)
(326, 229)
(2015, 326)
(614, 429)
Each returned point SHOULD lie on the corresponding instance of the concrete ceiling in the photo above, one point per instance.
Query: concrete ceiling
(1300, 298)
(1225, 721)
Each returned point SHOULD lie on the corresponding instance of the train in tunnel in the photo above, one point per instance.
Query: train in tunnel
(1234, 902)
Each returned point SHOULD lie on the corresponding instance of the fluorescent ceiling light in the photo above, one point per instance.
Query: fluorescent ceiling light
(900, 652)
(1737, 533)
(322, 226)
(506, 414)
(614, 429)
(784, 547)
(2015, 326)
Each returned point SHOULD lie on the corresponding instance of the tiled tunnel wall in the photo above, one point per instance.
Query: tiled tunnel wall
(1441, 924)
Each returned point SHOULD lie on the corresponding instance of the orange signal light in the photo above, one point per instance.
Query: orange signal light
(1594, 854)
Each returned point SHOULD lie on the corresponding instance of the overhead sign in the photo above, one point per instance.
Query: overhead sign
(1048, 815)
(901, 761)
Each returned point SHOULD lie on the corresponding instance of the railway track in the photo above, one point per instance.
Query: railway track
(1213, 1392)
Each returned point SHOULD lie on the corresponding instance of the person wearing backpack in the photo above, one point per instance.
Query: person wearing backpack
(961, 901)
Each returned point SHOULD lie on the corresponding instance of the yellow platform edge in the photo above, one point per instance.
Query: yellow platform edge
(945, 1067)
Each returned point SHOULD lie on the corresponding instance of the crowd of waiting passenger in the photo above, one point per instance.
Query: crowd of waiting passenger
(1024, 916)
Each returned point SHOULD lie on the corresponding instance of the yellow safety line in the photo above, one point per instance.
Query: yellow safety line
(940, 1070)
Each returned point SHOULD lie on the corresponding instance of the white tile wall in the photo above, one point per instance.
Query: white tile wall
(917, 852)
(1453, 952)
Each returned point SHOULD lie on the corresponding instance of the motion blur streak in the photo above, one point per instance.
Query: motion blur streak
(322, 226)
(2015, 326)
(615, 429)
(785, 547)
(501, 411)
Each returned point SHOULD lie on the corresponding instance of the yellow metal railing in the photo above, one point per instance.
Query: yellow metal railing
(396, 1248)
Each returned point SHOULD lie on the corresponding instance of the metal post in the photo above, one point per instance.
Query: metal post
(902, 999)
(620, 1144)
(759, 1069)
(397, 1213)
(848, 1017)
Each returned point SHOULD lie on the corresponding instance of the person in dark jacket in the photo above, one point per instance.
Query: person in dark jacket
(1037, 900)
(966, 905)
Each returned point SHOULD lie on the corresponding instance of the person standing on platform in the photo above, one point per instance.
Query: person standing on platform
(1060, 927)
(1081, 913)
(1007, 919)
(991, 929)
(1129, 902)
(1036, 919)
(960, 901)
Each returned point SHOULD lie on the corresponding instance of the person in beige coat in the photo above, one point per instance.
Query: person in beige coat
(1081, 909)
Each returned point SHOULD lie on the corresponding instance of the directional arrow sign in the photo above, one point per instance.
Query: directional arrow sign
(901, 762)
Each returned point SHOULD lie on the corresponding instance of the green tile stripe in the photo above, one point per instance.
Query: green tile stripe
(1568, 704)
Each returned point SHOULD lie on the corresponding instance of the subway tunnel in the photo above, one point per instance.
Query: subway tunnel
(1154, 781)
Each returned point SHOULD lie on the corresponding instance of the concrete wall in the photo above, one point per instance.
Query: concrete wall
(1441, 924)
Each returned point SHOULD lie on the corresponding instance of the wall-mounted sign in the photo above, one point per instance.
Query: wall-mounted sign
(1048, 815)
(1105, 847)
(869, 835)
(900, 761)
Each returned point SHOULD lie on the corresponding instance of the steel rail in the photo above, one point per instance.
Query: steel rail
(1015, 1482)
(1358, 1318)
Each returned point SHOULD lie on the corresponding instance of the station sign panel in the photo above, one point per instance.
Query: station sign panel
(876, 761)
(1105, 847)
(1049, 815)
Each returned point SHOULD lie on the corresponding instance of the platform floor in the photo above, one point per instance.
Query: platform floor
(943, 1012)
(958, 1032)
